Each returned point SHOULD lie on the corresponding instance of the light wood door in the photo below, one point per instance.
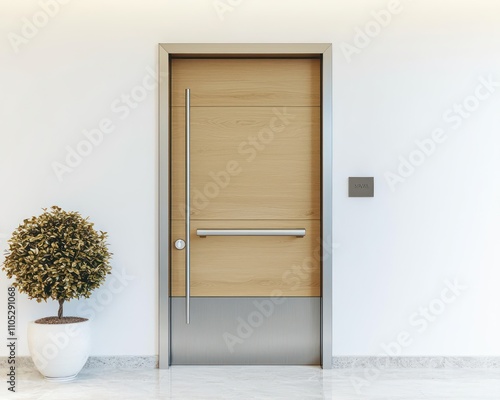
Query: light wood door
(255, 163)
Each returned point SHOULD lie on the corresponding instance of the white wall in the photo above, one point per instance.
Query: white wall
(393, 252)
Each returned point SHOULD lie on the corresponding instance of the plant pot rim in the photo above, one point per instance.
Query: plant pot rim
(54, 320)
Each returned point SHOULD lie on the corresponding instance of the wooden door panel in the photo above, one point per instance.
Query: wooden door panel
(249, 266)
(255, 163)
(247, 82)
(248, 163)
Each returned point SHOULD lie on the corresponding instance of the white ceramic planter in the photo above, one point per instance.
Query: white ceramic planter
(59, 351)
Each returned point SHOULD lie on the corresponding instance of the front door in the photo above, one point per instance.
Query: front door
(245, 210)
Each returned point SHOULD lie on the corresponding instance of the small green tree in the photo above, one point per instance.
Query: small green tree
(57, 255)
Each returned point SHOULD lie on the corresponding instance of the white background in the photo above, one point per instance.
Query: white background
(393, 252)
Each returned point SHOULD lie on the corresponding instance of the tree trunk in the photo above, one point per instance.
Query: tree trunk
(60, 312)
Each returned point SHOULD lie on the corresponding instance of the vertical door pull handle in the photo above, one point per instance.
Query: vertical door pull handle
(188, 204)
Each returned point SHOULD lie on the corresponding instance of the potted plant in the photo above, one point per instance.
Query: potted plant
(58, 255)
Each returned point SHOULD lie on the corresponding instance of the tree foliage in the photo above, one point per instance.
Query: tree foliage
(57, 255)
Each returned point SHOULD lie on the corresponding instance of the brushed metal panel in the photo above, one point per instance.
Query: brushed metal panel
(246, 330)
(361, 186)
(164, 211)
(327, 210)
(249, 49)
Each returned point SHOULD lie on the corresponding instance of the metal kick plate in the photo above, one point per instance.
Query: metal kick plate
(361, 187)
(246, 331)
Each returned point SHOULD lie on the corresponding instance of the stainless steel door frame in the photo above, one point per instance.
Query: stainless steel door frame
(165, 52)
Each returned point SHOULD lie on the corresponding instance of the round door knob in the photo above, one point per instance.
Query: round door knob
(180, 244)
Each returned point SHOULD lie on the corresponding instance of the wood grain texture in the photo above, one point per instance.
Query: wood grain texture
(249, 266)
(248, 163)
(247, 82)
(255, 163)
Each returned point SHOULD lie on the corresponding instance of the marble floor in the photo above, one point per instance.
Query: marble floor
(254, 382)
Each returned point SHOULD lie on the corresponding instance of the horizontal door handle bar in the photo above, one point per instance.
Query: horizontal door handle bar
(301, 232)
